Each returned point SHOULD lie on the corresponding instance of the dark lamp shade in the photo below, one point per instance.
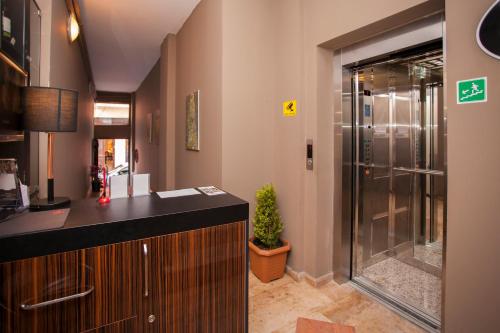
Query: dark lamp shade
(50, 109)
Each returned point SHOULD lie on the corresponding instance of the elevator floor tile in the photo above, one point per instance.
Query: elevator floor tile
(412, 285)
(431, 254)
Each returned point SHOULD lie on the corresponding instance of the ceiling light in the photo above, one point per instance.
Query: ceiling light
(73, 28)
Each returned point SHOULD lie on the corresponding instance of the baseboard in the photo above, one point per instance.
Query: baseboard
(320, 281)
(297, 276)
(315, 282)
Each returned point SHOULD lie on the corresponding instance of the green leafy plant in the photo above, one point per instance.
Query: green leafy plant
(267, 222)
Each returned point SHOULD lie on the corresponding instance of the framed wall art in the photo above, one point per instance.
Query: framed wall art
(193, 121)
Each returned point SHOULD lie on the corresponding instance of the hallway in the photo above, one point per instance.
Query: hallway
(275, 307)
(160, 159)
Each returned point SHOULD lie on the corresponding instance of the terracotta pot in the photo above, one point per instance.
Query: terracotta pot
(268, 265)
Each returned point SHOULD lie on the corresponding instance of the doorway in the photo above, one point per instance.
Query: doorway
(398, 182)
(111, 148)
(113, 154)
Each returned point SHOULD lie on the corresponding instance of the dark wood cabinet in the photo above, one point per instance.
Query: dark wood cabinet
(69, 292)
(192, 281)
(196, 281)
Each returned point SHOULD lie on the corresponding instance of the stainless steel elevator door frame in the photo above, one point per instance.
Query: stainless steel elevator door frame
(416, 165)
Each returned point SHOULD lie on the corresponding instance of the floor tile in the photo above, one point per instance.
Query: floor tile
(274, 307)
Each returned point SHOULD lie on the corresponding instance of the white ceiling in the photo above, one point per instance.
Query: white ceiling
(124, 37)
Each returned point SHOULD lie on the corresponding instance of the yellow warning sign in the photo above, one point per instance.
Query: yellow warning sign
(290, 108)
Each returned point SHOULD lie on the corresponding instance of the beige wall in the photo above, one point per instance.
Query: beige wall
(288, 132)
(166, 178)
(262, 68)
(472, 276)
(72, 150)
(248, 87)
(147, 102)
(199, 67)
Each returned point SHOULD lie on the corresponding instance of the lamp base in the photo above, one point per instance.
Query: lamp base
(45, 204)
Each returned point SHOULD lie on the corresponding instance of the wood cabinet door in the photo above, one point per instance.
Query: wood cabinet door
(197, 281)
(69, 292)
(114, 277)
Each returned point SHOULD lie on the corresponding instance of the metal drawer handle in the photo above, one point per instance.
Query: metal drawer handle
(146, 270)
(55, 301)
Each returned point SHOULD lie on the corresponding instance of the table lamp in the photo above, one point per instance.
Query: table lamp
(50, 110)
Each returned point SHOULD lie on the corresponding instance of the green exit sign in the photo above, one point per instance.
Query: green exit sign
(472, 91)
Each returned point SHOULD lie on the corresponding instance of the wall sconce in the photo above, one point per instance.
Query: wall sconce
(73, 28)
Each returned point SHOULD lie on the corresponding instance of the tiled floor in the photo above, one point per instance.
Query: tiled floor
(274, 307)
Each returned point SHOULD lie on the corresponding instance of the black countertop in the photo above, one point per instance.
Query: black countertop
(90, 224)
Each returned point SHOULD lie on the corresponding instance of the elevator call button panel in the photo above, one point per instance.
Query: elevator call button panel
(309, 154)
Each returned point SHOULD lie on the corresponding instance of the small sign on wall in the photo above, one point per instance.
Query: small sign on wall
(290, 108)
(472, 91)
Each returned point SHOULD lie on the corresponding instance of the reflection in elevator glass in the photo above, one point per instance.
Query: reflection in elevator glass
(400, 180)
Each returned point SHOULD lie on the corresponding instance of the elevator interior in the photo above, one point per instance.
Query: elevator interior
(397, 158)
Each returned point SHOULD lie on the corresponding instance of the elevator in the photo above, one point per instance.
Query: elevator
(394, 178)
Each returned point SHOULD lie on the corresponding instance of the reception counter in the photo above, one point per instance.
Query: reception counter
(141, 264)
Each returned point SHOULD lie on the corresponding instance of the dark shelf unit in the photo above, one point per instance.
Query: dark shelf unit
(14, 29)
(14, 73)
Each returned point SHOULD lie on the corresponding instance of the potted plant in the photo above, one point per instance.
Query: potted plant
(268, 252)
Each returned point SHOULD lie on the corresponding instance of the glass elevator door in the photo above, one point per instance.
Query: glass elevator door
(399, 181)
